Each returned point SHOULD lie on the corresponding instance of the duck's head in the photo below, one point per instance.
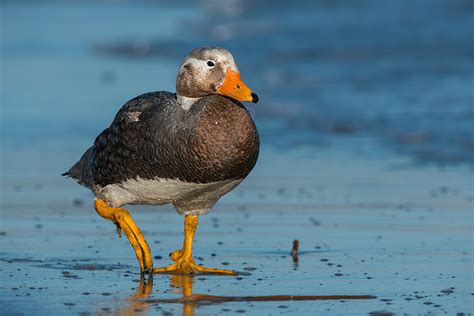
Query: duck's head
(210, 70)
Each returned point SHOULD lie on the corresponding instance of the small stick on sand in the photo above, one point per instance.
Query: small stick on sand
(294, 251)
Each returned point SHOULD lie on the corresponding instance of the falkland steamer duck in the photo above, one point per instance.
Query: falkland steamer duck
(187, 148)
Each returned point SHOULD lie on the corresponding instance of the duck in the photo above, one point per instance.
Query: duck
(187, 149)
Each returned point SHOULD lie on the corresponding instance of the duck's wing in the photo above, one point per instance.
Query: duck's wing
(124, 149)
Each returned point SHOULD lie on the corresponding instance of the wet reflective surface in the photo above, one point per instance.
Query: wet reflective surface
(394, 233)
(366, 125)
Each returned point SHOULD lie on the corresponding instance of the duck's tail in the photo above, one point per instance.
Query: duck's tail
(81, 170)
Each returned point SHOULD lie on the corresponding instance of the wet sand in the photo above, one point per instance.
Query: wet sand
(398, 233)
(350, 118)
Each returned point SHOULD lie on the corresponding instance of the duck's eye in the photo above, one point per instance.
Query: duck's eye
(210, 63)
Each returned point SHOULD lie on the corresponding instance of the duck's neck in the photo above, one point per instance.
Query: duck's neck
(186, 102)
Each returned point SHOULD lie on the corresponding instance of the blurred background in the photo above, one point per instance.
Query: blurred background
(366, 118)
(372, 77)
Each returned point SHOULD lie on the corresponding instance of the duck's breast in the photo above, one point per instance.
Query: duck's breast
(223, 139)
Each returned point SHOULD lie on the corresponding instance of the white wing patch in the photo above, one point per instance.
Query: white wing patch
(133, 116)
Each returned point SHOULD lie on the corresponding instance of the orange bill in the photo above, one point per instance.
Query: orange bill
(235, 88)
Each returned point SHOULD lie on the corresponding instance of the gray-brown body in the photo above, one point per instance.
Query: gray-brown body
(156, 152)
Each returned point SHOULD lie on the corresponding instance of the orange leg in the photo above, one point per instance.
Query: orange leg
(184, 262)
(121, 217)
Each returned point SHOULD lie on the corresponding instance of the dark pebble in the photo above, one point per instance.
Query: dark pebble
(447, 291)
(77, 202)
(381, 313)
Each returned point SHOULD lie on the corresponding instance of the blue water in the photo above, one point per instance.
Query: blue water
(355, 96)
(398, 74)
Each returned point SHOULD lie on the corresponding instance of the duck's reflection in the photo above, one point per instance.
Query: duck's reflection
(183, 284)
(139, 303)
(136, 304)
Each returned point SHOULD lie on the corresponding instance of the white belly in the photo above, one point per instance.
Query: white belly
(188, 198)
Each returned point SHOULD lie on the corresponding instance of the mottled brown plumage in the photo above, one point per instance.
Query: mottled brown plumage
(154, 137)
(226, 139)
(215, 140)
(188, 149)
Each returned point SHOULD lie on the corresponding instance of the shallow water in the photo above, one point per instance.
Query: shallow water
(361, 103)
(399, 73)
